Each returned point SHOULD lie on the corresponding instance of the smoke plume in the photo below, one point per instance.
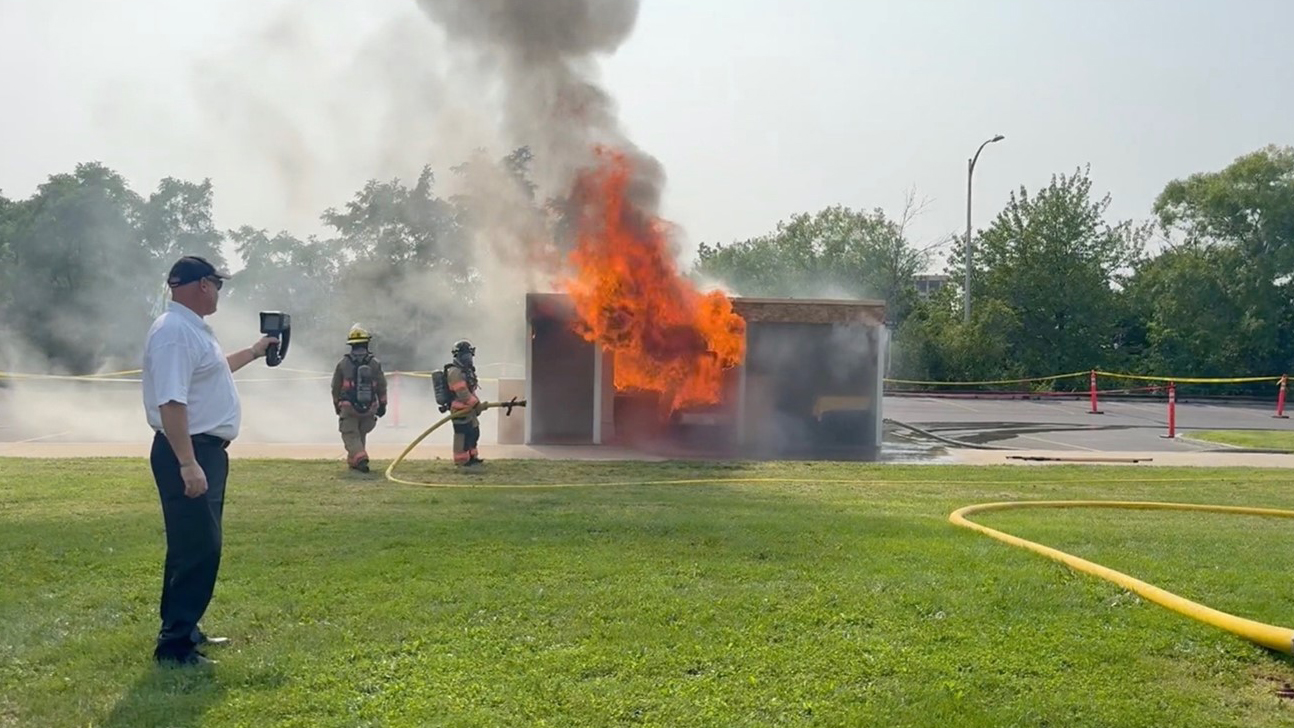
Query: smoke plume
(535, 59)
(287, 122)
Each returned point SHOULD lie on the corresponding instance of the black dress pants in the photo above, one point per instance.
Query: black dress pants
(193, 539)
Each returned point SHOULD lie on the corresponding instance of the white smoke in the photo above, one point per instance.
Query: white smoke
(287, 122)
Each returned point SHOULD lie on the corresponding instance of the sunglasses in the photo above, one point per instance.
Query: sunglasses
(217, 282)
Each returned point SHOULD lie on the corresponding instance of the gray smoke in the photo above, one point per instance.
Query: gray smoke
(303, 122)
(307, 123)
(286, 123)
(537, 58)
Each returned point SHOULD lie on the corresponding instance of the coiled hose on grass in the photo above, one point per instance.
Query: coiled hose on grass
(1273, 637)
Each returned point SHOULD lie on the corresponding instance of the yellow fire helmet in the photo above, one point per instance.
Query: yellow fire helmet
(358, 335)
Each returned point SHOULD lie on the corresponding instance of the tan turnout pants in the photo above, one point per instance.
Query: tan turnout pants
(354, 429)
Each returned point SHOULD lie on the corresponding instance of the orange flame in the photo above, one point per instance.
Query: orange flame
(629, 296)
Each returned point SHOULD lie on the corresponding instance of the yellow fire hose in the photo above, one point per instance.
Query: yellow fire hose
(1267, 635)
(1276, 638)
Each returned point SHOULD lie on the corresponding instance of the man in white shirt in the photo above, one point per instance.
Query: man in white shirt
(191, 403)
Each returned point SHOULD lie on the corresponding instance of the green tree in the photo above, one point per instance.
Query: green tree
(390, 225)
(77, 276)
(835, 253)
(287, 274)
(1220, 302)
(1206, 314)
(177, 220)
(498, 212)
(1054, 261)
(1249, 204)
(935, 344)
(404, 268)
(8, 221)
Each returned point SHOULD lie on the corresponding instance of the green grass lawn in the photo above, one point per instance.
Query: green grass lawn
(359, 603)
(1263, 439)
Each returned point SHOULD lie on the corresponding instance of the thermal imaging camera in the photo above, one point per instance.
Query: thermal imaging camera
(278, 325)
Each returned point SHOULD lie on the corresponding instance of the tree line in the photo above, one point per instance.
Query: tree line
(84, 259)
(1203, 287)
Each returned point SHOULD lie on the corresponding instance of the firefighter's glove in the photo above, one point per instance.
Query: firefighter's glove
(381, 409)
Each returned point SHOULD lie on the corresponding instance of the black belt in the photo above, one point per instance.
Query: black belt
(203, 439)
(212, 440)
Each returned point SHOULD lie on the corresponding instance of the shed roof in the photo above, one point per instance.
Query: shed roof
(769, 310)
(809, 311)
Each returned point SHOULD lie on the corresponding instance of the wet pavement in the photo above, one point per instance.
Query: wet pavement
(1068, 425)
(285, 421)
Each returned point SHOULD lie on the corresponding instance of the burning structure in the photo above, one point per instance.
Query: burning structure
(807, 385)
(628, 350)
(631, 353)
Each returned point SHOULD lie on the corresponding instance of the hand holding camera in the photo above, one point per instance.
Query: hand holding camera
(277, 327)
(261, 347)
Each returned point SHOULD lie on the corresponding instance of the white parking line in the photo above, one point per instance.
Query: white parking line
(1197, 444)
(1054, 442)
(42, 437)
(1144, 407)
(1237, 410)
(953, 403)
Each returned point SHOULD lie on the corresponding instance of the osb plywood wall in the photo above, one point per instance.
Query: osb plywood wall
(773, 310)
(549, 305)
(780, 310)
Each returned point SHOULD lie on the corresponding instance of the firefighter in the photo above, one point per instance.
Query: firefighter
(358, 396)
(460, 377)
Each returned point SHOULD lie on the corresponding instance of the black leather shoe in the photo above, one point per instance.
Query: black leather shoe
(193, 659)
(200, 638)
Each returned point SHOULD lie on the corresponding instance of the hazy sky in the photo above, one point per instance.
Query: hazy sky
(757, 109)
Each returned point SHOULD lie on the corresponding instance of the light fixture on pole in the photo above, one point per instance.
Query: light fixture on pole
(970, 171)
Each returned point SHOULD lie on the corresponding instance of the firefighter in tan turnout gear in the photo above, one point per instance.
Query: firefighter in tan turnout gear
(460, 379)
(358, 396)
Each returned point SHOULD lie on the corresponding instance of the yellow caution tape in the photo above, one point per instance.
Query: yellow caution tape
(1190, 380)
(280, 380)
(310, 376)
(1052, 378)
(69, 377)
(124, 372)
(116, 377)
(302, 371)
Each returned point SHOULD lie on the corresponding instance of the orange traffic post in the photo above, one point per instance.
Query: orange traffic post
(1092, 388)
(395, 399)
(1172, 410)
(1280, 399)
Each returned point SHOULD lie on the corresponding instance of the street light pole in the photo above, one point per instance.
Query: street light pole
(970, 171)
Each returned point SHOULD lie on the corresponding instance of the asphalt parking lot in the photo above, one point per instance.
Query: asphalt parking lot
(301, 414)
(1067, 424)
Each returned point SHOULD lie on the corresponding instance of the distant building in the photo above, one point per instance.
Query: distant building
(928, 283)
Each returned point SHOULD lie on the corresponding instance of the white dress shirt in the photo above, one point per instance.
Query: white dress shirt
(184, 363)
